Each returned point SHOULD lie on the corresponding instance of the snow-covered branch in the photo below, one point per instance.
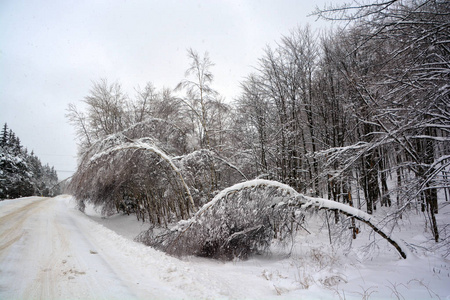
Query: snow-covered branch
(141, 145)
(252, 204)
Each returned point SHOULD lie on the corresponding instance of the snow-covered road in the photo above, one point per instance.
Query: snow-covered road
(47, 253)
(50, 250)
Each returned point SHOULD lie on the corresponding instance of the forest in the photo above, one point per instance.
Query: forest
(358, 115)
(21, 173)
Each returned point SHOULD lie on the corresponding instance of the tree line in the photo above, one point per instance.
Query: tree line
(359, 115)
(22, 173)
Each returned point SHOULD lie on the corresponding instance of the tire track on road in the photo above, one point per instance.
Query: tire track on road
(47, 253)
(11, 224)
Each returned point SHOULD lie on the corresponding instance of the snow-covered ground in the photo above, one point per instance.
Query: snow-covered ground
(50, 250)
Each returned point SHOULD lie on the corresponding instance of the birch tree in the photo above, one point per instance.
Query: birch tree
(199, 94)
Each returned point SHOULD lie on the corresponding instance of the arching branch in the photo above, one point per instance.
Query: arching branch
(141, 145)
(357, 214)
(292, 198)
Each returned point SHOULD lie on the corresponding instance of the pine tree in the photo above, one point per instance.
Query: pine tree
(22, 173)
(4, 136)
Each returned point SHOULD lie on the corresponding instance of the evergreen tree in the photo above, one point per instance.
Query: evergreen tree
(22, 173)
(4, 135)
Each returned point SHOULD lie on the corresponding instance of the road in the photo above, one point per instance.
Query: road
(48, 250)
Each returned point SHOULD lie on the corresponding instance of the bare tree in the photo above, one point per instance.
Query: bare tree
(121, 174)
(79, 122)
(283, 86)
(199, 99)
(105, 108)
(199, 94)
(406, 91)
(105, 113)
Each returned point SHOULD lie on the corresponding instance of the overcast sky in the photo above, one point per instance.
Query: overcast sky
(52, 50)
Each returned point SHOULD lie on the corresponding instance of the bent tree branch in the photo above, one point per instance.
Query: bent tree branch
(296, 199)
(141, 145)
(357, 214)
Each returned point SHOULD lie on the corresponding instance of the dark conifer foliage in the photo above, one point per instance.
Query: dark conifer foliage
(21, 173)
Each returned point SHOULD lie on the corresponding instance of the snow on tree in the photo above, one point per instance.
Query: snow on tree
(359, 116)
(342, 115)
(166, 134)
(243, 219)
(200, 95)
(206, 173)
(396, 60)
(121, 174)
(22, 174)
(125, 172)
(109, 111)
